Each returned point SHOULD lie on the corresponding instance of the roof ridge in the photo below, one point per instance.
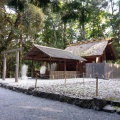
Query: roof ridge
(89, 41)
(50, 47)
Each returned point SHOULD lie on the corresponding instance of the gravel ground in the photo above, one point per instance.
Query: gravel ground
(78, 87)
(18, 106)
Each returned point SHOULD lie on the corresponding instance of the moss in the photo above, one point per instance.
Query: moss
(116, 107)
(111, 98)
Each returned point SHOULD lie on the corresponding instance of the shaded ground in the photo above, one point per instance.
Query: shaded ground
(18, 106)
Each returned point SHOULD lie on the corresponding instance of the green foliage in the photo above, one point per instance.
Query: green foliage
(18, 29)
(32, 19)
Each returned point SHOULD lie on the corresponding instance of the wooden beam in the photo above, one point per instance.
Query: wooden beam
(48, 59)
(13, 50)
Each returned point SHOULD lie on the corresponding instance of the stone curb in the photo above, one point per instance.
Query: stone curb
(109, 108)
(98, 104)
(118, 111)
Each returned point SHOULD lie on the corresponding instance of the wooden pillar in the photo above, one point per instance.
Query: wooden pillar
(32, 69)
(80, 68)
(50, 65)
(4, 66)
(65, 71)
(50, 71)
(77, 66)
(96, 84)
(17, 66)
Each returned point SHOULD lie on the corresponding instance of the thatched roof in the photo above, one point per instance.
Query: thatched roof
(42, 52)
(88, 49)
(92, 48)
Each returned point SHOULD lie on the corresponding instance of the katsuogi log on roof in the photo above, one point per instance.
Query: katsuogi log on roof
(44, 53)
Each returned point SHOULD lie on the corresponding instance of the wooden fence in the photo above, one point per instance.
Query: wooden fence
(61, 74)
(104, 70)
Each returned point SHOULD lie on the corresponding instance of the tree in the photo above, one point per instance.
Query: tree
(114, 17)
(21, 27)
(83, 11)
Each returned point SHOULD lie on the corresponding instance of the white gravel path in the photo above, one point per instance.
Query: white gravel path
(78, 87)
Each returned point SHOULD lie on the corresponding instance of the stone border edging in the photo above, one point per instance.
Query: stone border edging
(91, 103)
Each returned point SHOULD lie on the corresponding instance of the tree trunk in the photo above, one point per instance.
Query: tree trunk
(83, 31)
(55, 36)
(64, 35)
(20, 58)
(117, 34)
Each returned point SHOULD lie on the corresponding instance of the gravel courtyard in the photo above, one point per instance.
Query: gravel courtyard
(78, 87)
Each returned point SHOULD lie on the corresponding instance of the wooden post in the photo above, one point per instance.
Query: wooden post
(83, 77)
(36, 81)
(4, 66)
(76, 70)
(83, 84)
(65, 71)
(96, 84)
(50, 71)
(17, 66)
(32, 69)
